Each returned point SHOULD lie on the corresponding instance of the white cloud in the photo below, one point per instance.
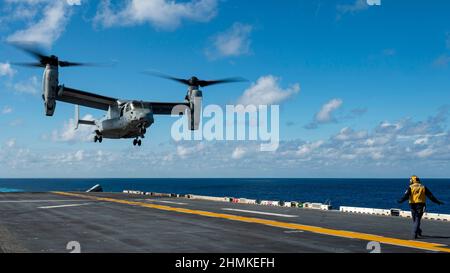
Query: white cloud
(162, 14)
(231, 43)
(348, 134)
(356, 6)
(387, 149)
(68, 133)
(267, 91)
(189, 150)
(74, 2)
(421, 141)
(238, 153)
(11, 143)
(425, 153)
(308, 148)
(6, 70)
(16, 122)
(45, 29)
(7, 110)
(27, 87)
(326, 113)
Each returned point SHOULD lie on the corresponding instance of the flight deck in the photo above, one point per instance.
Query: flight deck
(120, 222)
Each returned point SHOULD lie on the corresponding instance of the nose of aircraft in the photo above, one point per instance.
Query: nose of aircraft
(145, 115)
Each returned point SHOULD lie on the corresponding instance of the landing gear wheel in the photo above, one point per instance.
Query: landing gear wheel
(139, 142)
(98, 138)
(135, 142)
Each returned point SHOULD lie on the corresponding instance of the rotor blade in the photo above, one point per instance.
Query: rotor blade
(164, 76)
(222, 81)
(29, 64)
(67, 64)
(30, 48)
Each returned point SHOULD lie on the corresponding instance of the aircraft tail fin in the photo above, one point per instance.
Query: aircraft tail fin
(79, 121)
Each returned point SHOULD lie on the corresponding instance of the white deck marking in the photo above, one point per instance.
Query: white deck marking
(64, 206)
(261, 212)
(293, 231)
(39, 201)
(166, 202)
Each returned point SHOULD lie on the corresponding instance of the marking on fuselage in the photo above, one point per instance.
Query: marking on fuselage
(64, 206)
(273, 223)
(261, 212)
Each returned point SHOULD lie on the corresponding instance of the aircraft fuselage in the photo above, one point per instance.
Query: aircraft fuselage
(132, 122)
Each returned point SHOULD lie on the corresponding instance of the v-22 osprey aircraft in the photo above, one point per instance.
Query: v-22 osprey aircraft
(128, 119)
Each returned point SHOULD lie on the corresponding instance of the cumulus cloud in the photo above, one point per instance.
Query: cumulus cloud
(348, 133)
(16, 122)
(356, 6)
(267, 91)
(31, 86)
(184, 151)
(307, 148)
(326, 113)
(231, 43)
(238, 153)
(7, 70)
(69, 134)
(11, 143)
(7, 110)
(390, 148)
(162, 14)
(48, 20)
(74, 2)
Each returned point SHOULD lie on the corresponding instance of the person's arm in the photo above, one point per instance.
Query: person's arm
(405, 196)
(431, 197)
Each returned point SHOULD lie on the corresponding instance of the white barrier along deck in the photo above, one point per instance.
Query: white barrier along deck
(394, 212)
(294, 204)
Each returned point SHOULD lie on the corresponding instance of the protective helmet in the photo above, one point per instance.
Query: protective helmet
(414, 179)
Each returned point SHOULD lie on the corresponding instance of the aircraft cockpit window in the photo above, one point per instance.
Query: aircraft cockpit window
(137, 105)
(121, 111)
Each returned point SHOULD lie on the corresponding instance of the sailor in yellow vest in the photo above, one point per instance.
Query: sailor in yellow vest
(417, 194)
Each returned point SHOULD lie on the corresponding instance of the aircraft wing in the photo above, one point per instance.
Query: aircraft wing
(86, 99)
(165, 108)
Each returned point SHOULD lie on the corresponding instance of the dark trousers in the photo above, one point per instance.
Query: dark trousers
(417, 211)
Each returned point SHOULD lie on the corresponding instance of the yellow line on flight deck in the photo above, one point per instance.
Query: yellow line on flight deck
(273, 223)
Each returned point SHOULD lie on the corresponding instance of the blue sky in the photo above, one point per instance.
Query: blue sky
(373, 97)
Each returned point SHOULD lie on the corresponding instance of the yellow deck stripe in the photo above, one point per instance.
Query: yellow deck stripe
(273, 223)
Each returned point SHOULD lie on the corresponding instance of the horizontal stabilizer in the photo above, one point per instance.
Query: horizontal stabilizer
(79, 121)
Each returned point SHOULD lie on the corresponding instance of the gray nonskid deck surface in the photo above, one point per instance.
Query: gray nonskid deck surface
(46, 222)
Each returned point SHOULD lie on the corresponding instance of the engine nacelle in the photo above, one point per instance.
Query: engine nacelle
(195, 100)
(50, 88)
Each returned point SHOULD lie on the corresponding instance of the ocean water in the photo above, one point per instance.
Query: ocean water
(374, 193)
